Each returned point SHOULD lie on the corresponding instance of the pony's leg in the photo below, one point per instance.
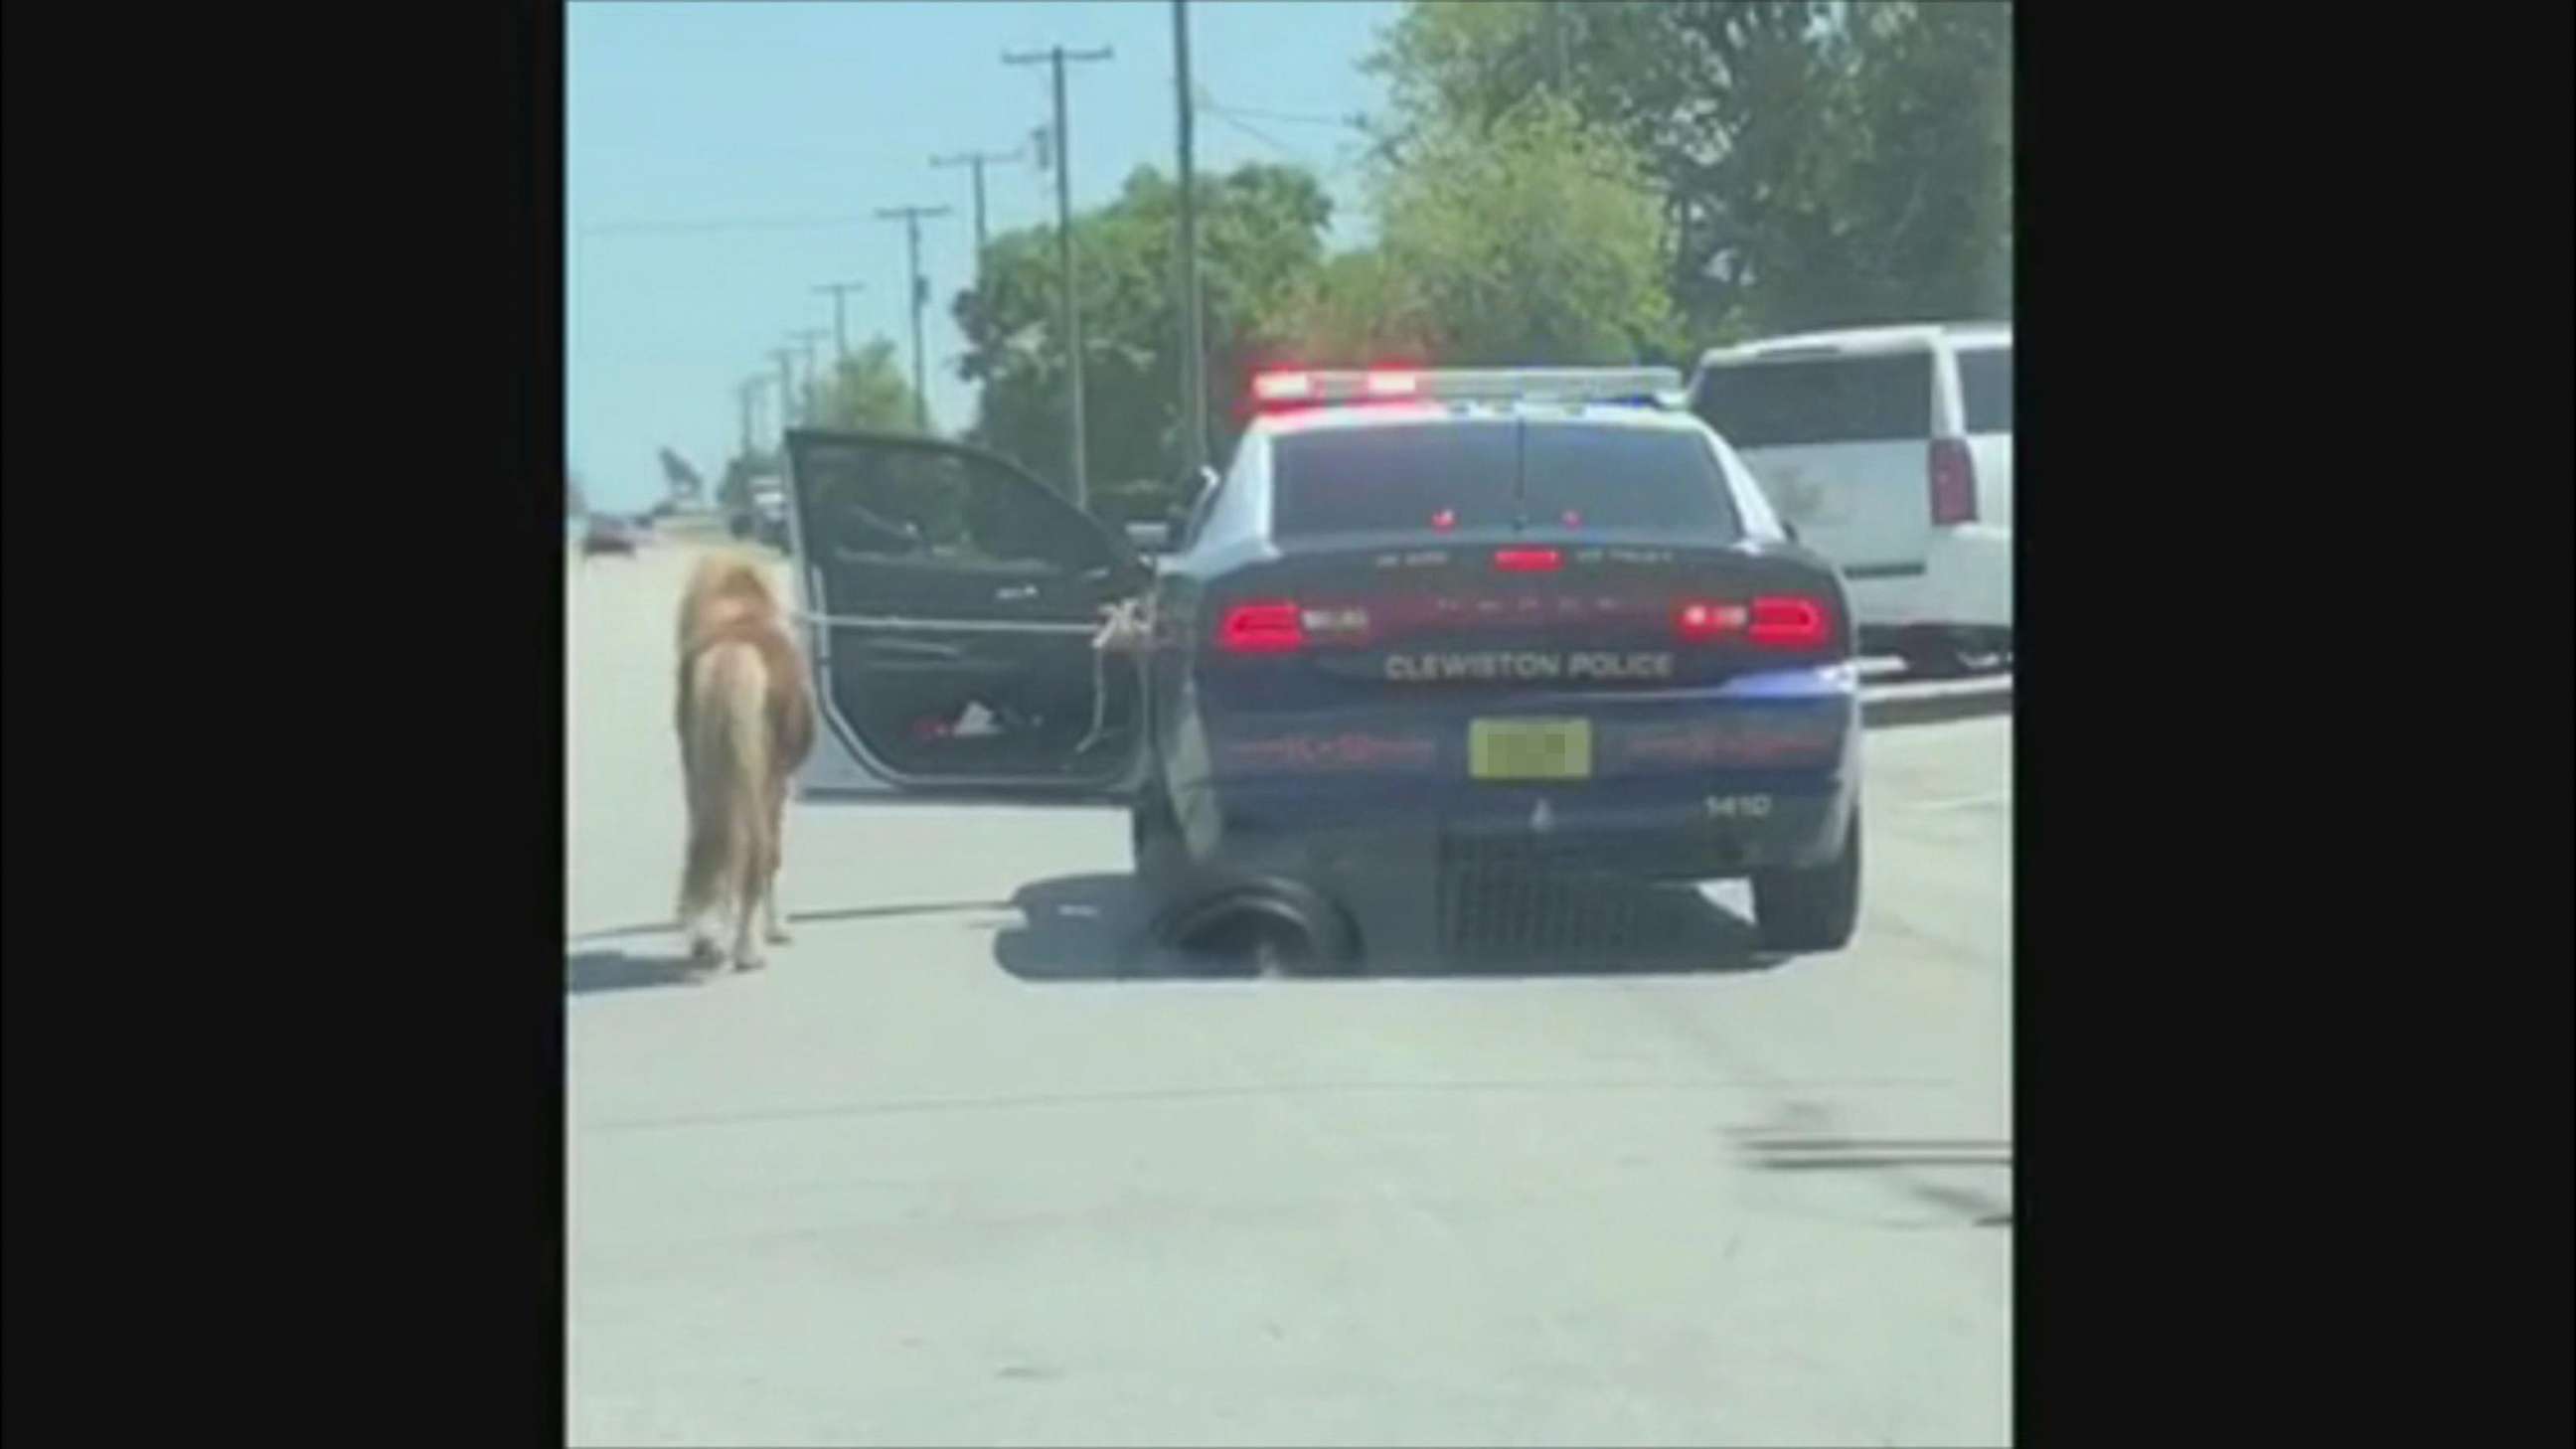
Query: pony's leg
(701, 895)
(746, 912)
(776, 927)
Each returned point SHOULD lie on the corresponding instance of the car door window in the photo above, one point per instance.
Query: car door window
(1199, 512)
(942, 508)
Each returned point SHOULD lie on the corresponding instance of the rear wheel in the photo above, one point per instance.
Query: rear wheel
(1813, 909)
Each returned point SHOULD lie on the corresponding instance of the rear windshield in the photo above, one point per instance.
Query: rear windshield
(1985, 389)
(1829, 400)
(1411, 478)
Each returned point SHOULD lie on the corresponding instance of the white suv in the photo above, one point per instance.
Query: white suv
(1890, 451)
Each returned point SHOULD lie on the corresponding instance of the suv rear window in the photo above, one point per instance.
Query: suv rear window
(1829, 400)
(1985, 389)
(1398, 478)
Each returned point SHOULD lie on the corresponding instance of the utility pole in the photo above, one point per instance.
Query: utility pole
(976, 160)
(786, 392)
(911, 217)
(840, 317)
(813, 393)
(1193, 335)
(1061, 143)
(747, 392)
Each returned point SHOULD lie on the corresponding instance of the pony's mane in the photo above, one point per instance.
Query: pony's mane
(727, 592)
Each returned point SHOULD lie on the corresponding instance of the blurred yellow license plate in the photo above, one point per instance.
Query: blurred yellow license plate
(1529, 749)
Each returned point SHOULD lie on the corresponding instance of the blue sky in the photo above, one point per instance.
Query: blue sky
(731, 119)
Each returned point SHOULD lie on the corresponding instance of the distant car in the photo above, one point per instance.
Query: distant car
(609, 535)
(1471, 626)
(1890, 450)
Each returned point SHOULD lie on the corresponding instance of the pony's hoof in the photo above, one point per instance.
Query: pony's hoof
(779, 937)
(751, 963)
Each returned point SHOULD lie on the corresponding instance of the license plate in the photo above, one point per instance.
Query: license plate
(1529, 749)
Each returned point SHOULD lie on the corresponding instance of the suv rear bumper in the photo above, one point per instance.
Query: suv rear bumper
(1965, 583)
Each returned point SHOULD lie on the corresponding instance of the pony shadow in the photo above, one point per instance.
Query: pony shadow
(614, 970)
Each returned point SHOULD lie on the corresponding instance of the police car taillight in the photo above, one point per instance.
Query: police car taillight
(1788, 623)
(1772, 621)
(1280, 626)
(1264, 628)
(1529, 560)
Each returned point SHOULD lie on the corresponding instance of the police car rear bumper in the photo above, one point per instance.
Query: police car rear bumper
(1757, 774)
(1706, 828)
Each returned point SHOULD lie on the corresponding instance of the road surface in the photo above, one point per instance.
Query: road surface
(952, 1172)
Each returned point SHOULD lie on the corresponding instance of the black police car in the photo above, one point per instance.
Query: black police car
(1425, 623)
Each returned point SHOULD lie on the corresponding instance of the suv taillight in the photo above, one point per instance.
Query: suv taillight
(1954, 483)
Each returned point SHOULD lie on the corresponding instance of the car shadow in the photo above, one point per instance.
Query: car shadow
(1097, 927)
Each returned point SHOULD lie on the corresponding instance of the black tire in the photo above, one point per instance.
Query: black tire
(1936, 661)
(1154, 834)
(1815, 909)
(1250, 927)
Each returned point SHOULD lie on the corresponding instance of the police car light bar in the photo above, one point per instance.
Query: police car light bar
(1494, 384)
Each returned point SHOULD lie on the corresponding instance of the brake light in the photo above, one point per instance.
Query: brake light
(1787, 623)
(1264, 628)
(1773, 621)
(1528, 560)
(1954, 483)
(1278, 626)
(1699, 622)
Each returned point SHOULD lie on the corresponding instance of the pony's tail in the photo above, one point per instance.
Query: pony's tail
(728, 765)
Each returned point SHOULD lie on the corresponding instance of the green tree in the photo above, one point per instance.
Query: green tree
(1817, 162)
(867, 392)
(1357, 309)
(1930, 179)
(1534, 238)
(1260, 233)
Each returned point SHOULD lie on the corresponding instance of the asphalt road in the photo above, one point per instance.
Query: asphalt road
(952, 1171)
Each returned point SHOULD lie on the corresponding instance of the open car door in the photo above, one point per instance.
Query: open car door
(951, 600)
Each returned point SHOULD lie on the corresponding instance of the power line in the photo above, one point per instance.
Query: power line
(1339, 122)
(720, 224)
(1263, 137)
